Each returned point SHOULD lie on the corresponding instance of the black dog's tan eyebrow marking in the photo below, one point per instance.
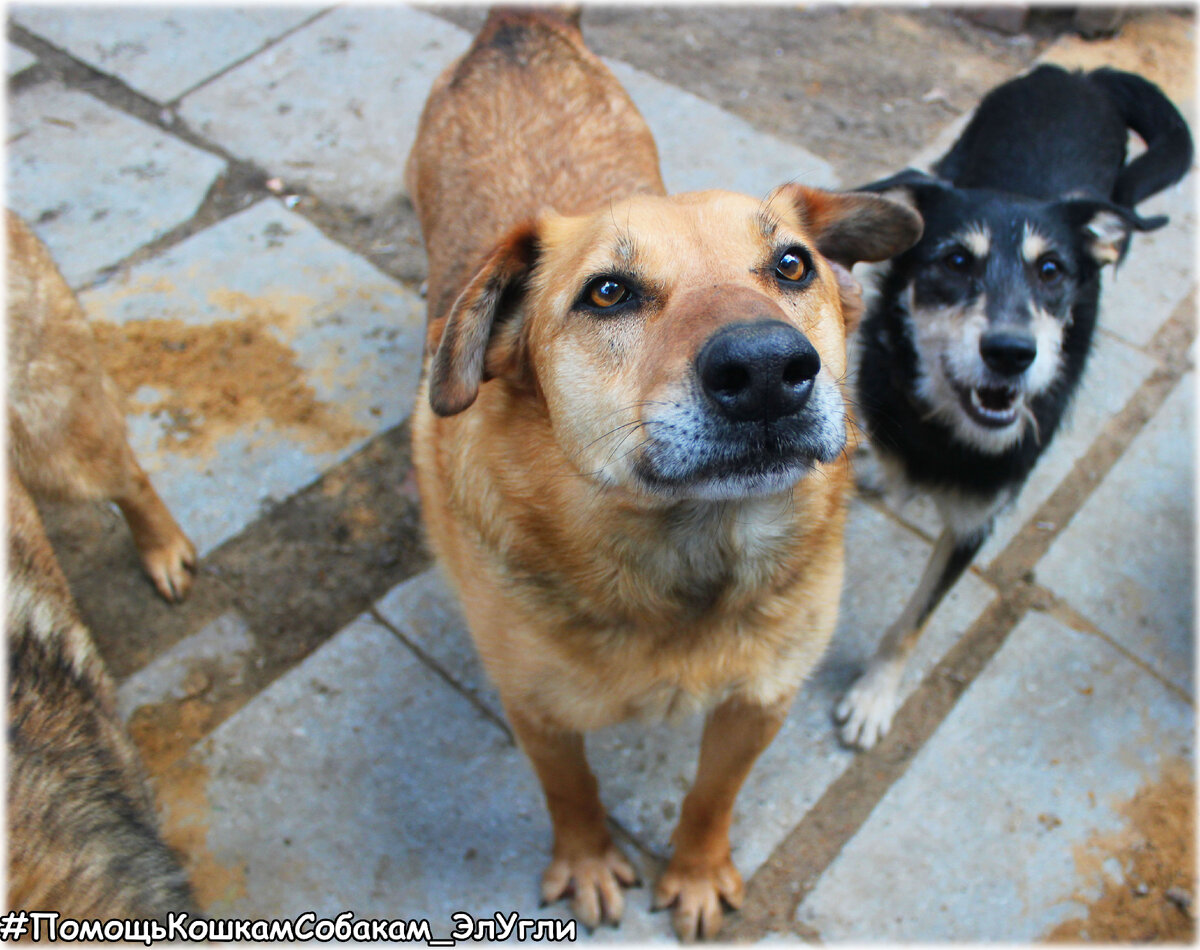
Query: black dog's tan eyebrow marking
(976, 237)
(1033, 243)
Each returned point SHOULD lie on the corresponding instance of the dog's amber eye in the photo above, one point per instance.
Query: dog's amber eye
(791, 266)
(605, 292)
(1049, 270)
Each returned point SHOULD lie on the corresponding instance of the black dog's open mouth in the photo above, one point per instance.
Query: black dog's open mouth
(992, 406)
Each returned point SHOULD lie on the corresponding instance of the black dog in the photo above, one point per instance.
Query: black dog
(981, 331)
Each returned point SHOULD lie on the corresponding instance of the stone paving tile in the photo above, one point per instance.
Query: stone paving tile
(383, 62)
(1160, 270)
(645, 769)
(161, 52)
(219, 645)
(333, 107)
(693, 158)
(1114, 373)
(425, 612)
(1127, 561)
(95, 183)
(17, 59)
(353, 335)
(362, 782)
(986, 836)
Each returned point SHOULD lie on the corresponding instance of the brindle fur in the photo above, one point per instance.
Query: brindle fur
(83, 839)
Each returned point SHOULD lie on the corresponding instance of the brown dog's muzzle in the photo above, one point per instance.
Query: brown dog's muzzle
(759, 371)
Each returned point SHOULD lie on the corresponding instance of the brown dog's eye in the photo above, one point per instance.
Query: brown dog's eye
(604, 292)
(791, 266)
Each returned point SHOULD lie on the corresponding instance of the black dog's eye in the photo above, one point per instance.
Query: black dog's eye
(1049, 270)
(958, 261)
(605, 292)
(791, 267)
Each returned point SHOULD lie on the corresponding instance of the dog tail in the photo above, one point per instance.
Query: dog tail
(1152, 116)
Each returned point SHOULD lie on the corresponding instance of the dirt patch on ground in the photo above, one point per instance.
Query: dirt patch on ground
(212, 379)
(165, 731)
(1156, 853)
(184, 792)
(1160, 46)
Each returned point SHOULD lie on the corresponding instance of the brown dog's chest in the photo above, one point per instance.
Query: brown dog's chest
(665, 628)
(667, 579)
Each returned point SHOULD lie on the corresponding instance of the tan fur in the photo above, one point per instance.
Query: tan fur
(590, 597)
(83, 838)
(66, 429)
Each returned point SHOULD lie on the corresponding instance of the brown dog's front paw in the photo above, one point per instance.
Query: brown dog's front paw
(696, 893)
(595, 881)
(171, 566)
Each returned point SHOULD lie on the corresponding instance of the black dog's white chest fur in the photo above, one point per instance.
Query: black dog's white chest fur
(980, 333)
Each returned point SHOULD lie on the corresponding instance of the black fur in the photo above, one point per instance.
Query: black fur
(988, 320)
(1049, 148)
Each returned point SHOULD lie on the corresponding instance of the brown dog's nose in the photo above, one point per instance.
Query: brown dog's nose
(758, 371)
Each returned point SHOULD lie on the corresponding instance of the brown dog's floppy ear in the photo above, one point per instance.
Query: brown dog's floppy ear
(854, 226)
(462, 360)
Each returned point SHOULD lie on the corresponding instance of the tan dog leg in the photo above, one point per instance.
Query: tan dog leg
(86, 457)
(586, 863)
(701, 872)
(167, 554)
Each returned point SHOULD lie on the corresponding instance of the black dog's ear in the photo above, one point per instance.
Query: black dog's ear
(481, 339)
(909, 178)
(849, 227)
(1107, 227)
(908, 187)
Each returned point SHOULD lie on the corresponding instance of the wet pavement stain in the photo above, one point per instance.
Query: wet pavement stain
(187, 810)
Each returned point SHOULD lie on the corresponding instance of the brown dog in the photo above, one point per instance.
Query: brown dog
(66, 430)
(630, 435)
(82, 834)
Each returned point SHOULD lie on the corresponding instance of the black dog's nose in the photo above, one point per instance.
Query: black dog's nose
(758, 371)
(1008, 352)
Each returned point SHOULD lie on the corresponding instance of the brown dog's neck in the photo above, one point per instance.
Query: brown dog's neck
(606, 558)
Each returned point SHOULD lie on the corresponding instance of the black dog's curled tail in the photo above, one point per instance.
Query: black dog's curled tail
(1152, 116)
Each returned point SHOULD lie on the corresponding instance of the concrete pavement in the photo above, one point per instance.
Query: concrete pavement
(196, 174)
